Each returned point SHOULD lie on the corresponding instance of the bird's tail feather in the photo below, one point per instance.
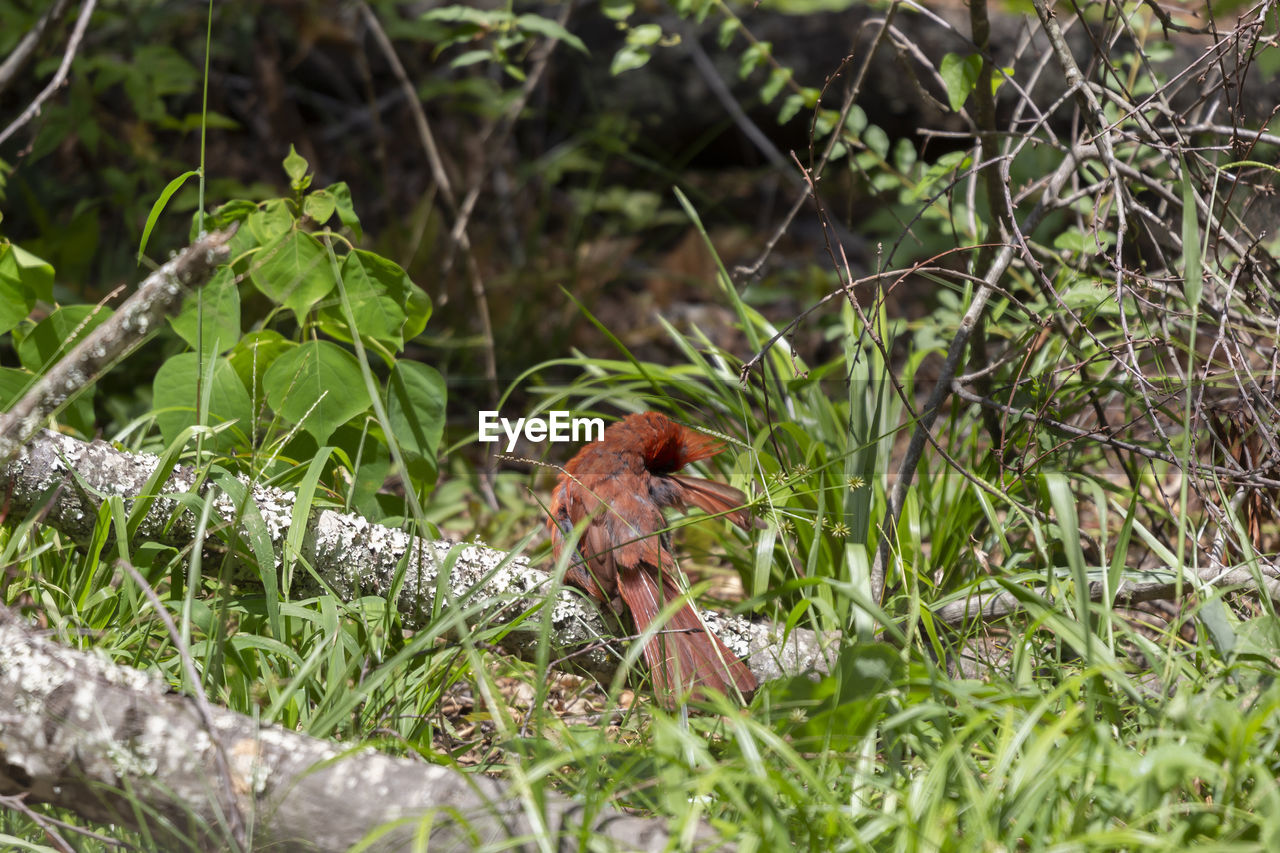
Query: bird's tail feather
(684, 657)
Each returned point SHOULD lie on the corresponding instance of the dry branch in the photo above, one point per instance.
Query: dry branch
(159, 294)
(100, 739)
(989, 606)
(17, 60)
(59, 77)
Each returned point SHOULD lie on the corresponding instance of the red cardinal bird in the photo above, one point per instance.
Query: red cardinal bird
(621, 483)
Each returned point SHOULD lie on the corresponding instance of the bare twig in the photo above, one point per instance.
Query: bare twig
(503, 126)
(942, 386)
(425, 136)
(26, 46)
(1100, 436)
(816, 170)
(18, 803)
(59, 78)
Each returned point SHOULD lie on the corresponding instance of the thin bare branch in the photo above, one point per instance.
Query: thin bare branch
(59, 77)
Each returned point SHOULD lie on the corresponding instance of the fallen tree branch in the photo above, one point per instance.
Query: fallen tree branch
(68, 480)
(100, 739)
(986, 606)
(228, 803)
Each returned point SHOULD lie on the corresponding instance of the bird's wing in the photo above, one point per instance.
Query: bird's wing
(716, 498)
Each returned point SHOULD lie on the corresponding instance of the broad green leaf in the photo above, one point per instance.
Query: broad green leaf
(790, 106)
(944, 165)
(254, 353)
(16, 299)
(959, 75)
(376, 288)
(753, 57)
(294, 272)
(165, 69)
(417, 307)
(50, 340)
(13, 382)
(236, 210)
(174, 394)
(461, 14)
(628, 58)
(272, 222)
(386, 304)
(415, 406)
(617, 10)
(855, 121)
(904, 155)
(318, 385)
(644, 35)
(778, 78)
(728, 29)
(877, 140)
(319, 205)
(32, 273)
(218, 305)
(471, 57)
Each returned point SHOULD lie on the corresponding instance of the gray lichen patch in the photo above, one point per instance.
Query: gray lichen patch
(276, 508)
(34, 675)
(126, 760)
(733, 630)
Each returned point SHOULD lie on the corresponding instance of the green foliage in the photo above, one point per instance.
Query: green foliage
(316, 385)
(249, 402)
(960, 73)
(261, 389)
(210, 323)
(284, 250)
(499, 32)
(415, 406)
(1084, 731)
(227, 403)
(24, 278)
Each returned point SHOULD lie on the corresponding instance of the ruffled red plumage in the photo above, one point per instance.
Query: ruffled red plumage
(622, 483)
